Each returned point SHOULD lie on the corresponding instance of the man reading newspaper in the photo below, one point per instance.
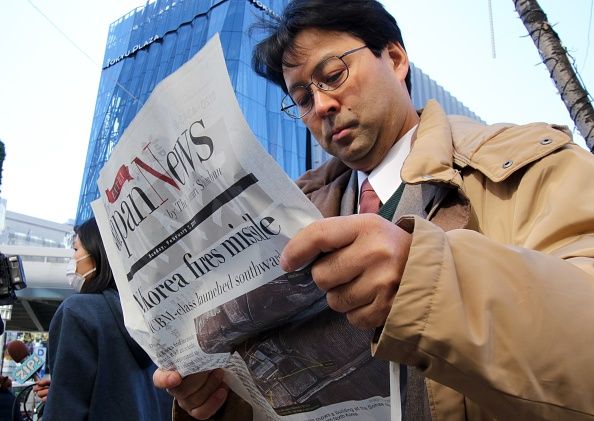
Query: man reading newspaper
(479, 282)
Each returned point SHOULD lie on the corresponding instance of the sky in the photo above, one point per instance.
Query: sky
(53, 49)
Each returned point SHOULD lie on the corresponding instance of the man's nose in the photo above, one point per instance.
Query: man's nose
(325, 102)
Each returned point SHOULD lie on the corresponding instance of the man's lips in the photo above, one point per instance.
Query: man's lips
(341, 132)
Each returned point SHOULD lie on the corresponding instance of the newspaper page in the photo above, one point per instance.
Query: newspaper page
(194, 215)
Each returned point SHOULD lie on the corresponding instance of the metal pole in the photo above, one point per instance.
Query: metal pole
(2, 354)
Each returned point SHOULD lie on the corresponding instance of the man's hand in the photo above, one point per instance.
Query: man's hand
(360, 261)
(200, 395)
(41, 388)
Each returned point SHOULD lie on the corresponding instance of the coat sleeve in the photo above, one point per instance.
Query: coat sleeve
(73, 358)
(509, 323)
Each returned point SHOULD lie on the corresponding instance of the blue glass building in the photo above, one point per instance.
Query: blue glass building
(152, 41)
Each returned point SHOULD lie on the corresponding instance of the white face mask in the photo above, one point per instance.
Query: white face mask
(76, 280)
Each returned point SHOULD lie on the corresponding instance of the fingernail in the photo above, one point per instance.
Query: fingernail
(284, 265)
(171, 378)
(221, 394)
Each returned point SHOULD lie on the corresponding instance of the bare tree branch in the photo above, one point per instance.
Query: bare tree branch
(554, 56)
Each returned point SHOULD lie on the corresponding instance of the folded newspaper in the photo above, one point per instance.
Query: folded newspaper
(194, 215)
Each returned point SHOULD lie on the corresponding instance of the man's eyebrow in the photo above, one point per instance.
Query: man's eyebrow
(296, 85)
(304, 83)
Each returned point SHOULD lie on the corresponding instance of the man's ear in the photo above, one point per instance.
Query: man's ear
(399, 58)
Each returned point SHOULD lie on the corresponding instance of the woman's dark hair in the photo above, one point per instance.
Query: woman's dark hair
(364, 19)
(90, 238)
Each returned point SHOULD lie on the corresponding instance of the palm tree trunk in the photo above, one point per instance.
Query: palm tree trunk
(554, 56)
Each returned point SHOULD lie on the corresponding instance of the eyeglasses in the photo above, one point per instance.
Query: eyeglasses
(329, 75)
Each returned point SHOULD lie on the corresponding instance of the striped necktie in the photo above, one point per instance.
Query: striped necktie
(369, 202)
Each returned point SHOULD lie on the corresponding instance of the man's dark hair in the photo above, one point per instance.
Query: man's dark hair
(90, 238)
(364, 19)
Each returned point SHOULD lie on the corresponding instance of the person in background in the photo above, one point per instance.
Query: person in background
(98, 372)
(479, 281)
(8, 410)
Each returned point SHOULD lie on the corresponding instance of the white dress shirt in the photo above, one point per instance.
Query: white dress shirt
(385, 178)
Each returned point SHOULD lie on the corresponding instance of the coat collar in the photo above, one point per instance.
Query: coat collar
(430, 158)
(444, 145)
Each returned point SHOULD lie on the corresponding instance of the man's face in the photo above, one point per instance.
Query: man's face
(362, 119)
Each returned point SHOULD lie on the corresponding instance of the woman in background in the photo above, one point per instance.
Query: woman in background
(98, 372)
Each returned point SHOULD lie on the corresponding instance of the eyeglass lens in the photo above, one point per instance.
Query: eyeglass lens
(328, 76)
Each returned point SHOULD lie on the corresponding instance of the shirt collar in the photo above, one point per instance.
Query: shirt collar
(385, 178)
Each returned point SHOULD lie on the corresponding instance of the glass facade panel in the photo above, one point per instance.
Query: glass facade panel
(151, 42)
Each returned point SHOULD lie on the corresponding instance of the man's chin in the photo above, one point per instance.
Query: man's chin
(358, 165)
(356, 159)
(366, 163)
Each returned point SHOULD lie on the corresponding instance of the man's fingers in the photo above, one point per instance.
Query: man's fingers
(165, 379)
(201, 390)
(199, 394)
(211, 405)
(349, 296)
(359, 244)
(197, 388)
(366, 317)
(342, 266)
(320, 237)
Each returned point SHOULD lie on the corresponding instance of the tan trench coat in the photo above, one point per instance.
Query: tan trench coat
(499, 316)
(502, 312)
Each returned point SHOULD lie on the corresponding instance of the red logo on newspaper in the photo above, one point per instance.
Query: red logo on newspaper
(155, 173)
(122, 176)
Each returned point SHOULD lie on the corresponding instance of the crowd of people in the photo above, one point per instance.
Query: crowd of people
(465, 250)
